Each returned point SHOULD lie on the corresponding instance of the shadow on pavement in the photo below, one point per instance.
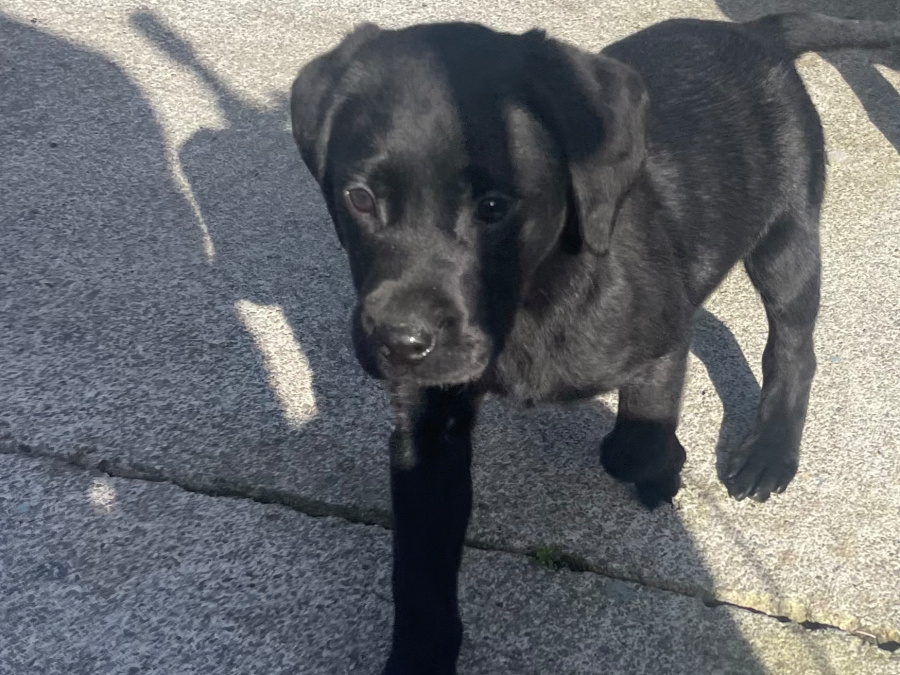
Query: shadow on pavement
(127, 344)
(734, 382)
(877, 95)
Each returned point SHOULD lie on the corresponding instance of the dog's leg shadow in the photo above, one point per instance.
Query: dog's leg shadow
(716, 347)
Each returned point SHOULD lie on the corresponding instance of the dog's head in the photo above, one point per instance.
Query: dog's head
(454, 160)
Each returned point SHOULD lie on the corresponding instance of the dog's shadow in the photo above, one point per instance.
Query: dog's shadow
(733, 379)
(877, 95)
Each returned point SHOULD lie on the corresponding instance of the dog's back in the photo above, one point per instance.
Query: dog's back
(732, 131)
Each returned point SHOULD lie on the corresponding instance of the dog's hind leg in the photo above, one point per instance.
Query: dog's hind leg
(642, 447)
(785, 269)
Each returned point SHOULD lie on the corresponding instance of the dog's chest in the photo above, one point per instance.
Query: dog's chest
(564, 371)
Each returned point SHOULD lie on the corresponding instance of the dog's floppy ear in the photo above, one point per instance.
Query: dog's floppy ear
(595, 108)
(315, 95)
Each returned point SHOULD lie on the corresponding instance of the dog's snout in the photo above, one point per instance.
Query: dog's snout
(407, 343)
(407, 330)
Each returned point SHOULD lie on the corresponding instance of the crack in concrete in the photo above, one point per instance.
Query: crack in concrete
(374, 517)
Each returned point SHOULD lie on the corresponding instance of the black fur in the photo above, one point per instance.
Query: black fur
(534, 221)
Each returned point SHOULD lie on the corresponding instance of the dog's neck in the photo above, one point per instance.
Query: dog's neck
(576, 299)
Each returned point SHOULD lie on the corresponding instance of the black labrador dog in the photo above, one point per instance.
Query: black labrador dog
(527, 219)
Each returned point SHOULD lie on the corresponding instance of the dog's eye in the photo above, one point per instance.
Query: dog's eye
(492, 209)
(361, 200)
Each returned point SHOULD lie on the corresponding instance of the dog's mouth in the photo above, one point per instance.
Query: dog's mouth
(467, 372)
(455, 357)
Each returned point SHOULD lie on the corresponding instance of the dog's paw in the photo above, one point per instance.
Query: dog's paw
(760, 468)
(648, 455)
(654, 492)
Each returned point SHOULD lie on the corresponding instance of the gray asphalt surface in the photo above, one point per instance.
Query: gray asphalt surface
(173, 306)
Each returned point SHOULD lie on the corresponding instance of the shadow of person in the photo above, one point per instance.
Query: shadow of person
(122, 350)
(119, 340)
(877, 95)
(275, 252)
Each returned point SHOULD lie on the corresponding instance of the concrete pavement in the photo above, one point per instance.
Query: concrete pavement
(109, 575)
(173, 303)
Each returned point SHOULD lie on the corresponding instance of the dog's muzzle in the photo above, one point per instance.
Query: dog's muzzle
(404, 343)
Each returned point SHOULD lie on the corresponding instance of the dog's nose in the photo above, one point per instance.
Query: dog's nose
(405, 342)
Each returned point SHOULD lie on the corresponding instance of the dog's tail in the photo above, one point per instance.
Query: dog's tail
(801, 32)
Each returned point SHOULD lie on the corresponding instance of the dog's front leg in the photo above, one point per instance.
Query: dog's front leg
(642, 447)
(431, 492)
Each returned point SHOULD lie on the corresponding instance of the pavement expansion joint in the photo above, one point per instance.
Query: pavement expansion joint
(551, 558)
